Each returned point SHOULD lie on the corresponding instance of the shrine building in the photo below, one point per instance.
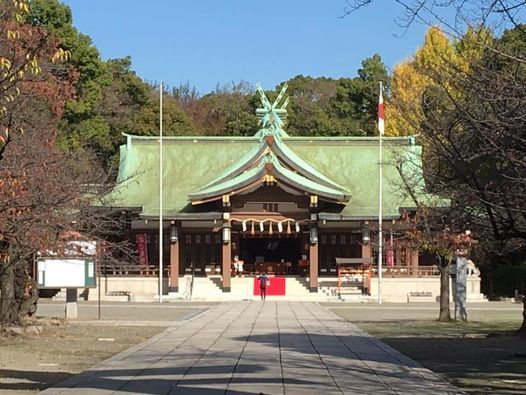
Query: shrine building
(289, 206)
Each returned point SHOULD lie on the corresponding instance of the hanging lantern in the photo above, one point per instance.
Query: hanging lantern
(244, 226)
(297, 227)
(280, 227)
(226, 200)
(313, 235)
(174, 233)
(252, 231)
(366, 236)
(226, 234)
(261, 227)
(314, 201)
(288, 228)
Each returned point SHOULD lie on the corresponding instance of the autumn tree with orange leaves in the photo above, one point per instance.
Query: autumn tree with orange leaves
(39, 182)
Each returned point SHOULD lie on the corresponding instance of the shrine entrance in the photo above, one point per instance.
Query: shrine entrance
(272, 255)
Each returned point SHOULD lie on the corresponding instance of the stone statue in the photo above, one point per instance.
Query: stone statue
(473, 270)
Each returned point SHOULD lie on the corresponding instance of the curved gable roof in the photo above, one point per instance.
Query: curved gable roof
(287, 165)
(267, 165)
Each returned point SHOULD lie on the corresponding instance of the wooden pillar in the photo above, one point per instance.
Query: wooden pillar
(367, 253)
(313, 267)
(407, 257)
(174, 266)
(414, 262)
(366, 250)
(227, 264)
(398, 254)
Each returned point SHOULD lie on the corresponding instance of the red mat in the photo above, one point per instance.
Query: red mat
(276, 287)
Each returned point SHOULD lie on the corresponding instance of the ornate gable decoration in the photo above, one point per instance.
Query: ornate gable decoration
(272, 117)
(271, 158)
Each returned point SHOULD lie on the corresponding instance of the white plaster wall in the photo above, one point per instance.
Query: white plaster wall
(141, 288)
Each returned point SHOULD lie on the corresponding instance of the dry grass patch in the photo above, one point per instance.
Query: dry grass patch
(29, 364)
(478, 356)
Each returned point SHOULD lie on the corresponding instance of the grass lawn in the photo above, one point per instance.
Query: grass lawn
(461, 352)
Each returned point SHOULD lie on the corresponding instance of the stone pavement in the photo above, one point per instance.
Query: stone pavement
(259, 348)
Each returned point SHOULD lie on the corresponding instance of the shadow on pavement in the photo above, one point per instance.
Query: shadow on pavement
(23, 380)
(272, 360)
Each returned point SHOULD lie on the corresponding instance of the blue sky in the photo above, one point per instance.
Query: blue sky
(207, 42)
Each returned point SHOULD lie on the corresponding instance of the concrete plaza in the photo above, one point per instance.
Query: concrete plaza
(259, 348)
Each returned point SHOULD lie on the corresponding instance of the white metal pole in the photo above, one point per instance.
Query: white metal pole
(161, 245)
(380, 235)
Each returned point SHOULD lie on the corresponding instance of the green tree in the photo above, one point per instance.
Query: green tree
(356, 100)
(228, 110)
(80, 124)
(175, 121)
(110, 98)
(309, 112)
(125, 106)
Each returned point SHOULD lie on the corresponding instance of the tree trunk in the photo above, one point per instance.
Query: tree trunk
(18, 291)
(8, 303)
(445, 314)
(28, 306)
(522, 330)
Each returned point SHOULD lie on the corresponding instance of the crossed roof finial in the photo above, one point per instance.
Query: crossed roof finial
(271, 116)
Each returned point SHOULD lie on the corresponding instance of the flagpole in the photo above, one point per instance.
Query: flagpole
(161, 244)
(380, 187)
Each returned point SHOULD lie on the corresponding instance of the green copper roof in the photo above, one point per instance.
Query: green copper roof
(353, 162)
(190, 163)
(200, 169)
(269, 164)
(296, 162)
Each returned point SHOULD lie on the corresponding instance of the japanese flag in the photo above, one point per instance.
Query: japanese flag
(381, 125)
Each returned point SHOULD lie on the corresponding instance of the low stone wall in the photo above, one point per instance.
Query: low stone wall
(399, 289)
(394, 289)
(121, 289)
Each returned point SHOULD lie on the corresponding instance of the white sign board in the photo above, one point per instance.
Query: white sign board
(66, 273)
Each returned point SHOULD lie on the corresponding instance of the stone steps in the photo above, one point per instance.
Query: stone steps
(242, 288)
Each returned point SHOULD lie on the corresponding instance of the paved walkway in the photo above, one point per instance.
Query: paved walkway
(259, 348)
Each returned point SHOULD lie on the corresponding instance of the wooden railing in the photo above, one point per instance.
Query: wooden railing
(407, 271)
(131, 270)
(153, 270)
